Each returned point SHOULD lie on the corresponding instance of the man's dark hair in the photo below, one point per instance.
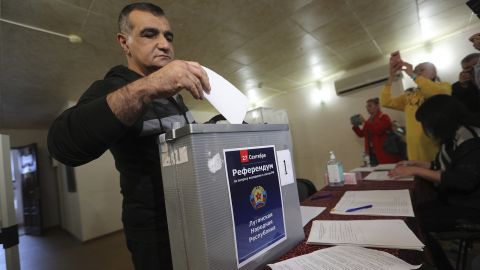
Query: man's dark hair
(123, 23)
(442, 115)
(470, 57)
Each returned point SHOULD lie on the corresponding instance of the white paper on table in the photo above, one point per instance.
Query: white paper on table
(285, 168)
(385, 167)
(353, 258)
(383, 175)
(384, 202)
(309, 213)
(362, 169)
(226, 98)
(393, 233)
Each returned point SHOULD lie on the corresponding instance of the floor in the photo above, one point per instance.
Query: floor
(58, 250)
(451, 249)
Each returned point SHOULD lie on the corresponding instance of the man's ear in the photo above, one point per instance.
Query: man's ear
(123, 41)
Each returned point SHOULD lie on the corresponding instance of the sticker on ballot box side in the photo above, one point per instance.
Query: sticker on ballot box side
(256, 201)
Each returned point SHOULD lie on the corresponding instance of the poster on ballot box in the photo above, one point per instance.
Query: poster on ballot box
(256, 201)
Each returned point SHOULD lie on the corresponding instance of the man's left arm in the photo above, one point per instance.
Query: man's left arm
(84, 132)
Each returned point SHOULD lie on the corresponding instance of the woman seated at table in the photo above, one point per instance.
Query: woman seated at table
(456, 168)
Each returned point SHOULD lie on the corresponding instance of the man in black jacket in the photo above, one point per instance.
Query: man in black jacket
(123, 113)
(466, 90)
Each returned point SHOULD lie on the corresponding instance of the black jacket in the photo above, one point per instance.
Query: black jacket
(85, 131)
(469, 95)
(460, 178)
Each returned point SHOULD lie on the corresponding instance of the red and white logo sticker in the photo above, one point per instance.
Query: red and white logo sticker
(244, 156)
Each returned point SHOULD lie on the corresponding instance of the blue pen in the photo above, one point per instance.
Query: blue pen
(359, 208)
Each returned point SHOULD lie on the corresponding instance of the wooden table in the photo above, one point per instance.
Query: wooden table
(410, 256)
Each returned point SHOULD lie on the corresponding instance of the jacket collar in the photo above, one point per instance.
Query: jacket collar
(123, 72)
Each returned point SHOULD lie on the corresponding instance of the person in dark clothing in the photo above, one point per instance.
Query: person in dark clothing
(124, 113)
(455, 170)
(466, 90)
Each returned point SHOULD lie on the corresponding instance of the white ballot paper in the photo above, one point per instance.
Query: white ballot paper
(383, 175)
(385, 167)
(384, 203)
(310, 212)
(344, 258)
(393, 233)
(362, 169)
(226, 98)
(380, 167)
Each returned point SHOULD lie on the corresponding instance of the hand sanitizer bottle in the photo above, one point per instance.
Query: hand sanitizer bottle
(335, 171)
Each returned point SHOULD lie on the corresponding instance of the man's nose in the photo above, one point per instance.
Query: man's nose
(163, 44)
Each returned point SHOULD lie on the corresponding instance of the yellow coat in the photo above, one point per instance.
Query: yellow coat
(419, 146)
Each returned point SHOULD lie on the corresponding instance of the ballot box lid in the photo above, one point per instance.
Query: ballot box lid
(222, 128)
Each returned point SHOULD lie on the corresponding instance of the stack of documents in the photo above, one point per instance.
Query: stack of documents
(382, 203)
(392, 233)
(383, 175)
(352, 258)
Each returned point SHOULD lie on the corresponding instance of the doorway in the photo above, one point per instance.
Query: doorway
(26, 188)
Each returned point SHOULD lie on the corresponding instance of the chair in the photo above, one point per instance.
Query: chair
(305, 188)
(467, 233)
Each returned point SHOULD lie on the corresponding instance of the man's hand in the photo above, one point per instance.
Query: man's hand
(127, 103)
(464, 77)
(178, 75)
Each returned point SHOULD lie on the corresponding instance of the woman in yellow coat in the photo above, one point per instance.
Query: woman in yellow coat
(419, 146)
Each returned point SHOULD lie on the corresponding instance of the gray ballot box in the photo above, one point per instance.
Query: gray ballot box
(231, 195)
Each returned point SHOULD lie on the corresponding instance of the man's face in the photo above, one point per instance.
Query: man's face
(468, 66)
(149, 43)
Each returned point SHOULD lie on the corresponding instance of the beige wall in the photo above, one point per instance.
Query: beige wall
(69, 203)
(95, 208)
(100, 201)
(47, 177)
(202, 116)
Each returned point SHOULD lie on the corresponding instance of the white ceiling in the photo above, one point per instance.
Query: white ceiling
(272, 46)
